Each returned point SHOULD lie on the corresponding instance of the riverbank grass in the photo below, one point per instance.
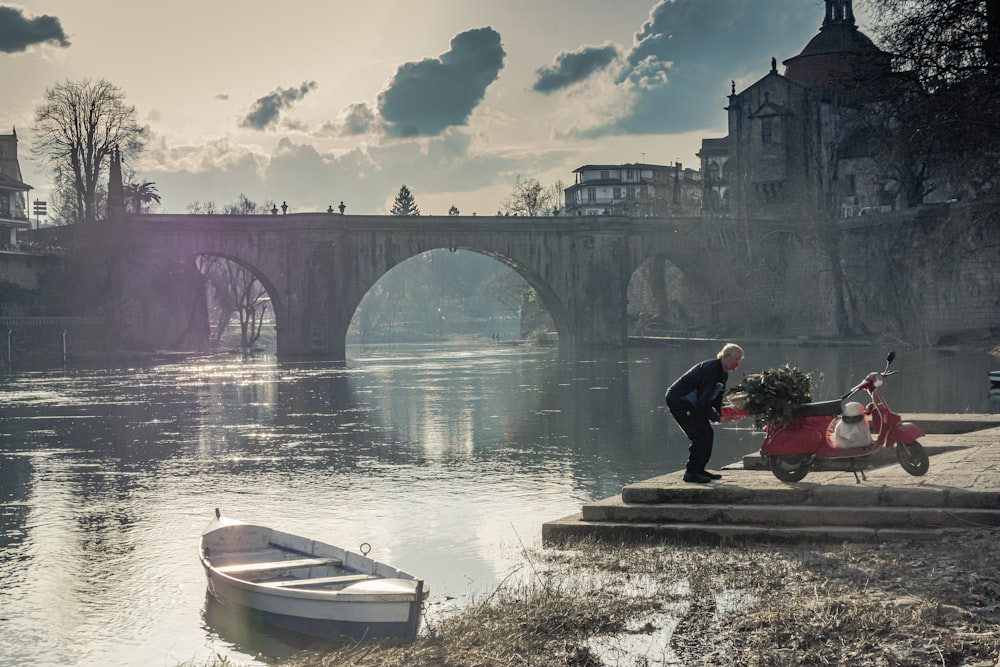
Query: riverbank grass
(902, 603)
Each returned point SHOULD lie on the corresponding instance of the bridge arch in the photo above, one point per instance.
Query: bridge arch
(551, 300)
(176, 288)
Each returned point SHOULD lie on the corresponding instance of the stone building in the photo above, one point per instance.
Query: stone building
(634, 189)
(799, 142)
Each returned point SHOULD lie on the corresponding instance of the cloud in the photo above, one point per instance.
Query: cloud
(17, 32)
(573, 67)
(267, 109)
(683, 57)
(425, 98)
(365, 178)
(358, 119)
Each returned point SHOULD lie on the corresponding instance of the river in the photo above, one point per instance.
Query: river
(446, 459)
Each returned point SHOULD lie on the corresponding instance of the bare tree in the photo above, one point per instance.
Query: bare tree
(951, 51)
(251, 302)
(207, 207)
(529, 197)
(233, 288)
(77, 127)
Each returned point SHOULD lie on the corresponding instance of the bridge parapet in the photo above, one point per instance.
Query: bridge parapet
(785, 276)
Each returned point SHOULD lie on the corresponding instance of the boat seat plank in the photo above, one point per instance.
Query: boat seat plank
(246, 568)
(321, 581)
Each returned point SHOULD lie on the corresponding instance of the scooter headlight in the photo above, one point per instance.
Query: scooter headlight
(878, 381)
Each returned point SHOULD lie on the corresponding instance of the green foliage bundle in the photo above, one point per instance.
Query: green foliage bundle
(770, 396)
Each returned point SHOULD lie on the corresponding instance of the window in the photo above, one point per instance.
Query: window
(713, 172)
(616, 193)
(591, 194)
(605, 174)
(766, 131)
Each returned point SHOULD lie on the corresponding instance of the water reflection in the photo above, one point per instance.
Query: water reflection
(445, 459)
(237, 627)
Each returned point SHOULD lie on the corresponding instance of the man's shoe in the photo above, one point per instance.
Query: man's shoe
(696, 478)
(711, 475)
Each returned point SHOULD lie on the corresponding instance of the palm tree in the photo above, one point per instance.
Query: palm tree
(140, 196)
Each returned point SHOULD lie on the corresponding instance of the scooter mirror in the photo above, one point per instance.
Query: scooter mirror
(889, 358)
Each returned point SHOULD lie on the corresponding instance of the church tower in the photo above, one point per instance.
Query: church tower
(836, 59)
(795, 149)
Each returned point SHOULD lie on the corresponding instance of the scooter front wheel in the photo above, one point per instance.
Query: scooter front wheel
(789, 468)
(913, 457)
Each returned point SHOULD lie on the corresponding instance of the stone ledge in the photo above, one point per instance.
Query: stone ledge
(565, 531)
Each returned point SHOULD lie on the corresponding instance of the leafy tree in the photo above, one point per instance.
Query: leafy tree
(531, 198)
(76, 128)
(404, 203)
(139, 197)
(951, 51)
(453, 211)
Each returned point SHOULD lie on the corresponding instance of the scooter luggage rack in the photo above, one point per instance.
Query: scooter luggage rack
(817, 409)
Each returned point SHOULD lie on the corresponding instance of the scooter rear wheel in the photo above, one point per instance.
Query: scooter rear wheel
(790, 468)
(913, 457)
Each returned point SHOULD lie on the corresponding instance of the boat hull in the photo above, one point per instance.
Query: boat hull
(333, 629)
(308, 587)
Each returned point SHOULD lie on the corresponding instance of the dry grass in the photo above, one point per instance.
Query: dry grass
(894, 604)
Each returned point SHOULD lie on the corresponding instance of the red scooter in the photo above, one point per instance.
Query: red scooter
(835, 430)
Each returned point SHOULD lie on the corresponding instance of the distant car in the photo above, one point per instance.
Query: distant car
(870, 210)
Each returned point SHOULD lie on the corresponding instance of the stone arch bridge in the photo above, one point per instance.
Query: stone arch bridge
(317, 267)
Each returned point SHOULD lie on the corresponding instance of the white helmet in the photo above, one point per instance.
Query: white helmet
(853, 412)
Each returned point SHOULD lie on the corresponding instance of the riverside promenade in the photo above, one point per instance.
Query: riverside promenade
(960, 492)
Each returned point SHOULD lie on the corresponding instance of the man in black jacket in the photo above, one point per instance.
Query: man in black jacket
(695, 400)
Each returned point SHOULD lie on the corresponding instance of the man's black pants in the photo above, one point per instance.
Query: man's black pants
(698, 429)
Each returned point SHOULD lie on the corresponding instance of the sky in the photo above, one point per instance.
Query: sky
(317, 103)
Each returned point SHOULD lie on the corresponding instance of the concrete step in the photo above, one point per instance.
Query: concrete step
(762, 489)
(574, 527)
(614, 510)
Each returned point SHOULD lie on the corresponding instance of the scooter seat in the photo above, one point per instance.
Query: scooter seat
(817, 409)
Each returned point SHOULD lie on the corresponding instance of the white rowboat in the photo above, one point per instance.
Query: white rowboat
(308, 587)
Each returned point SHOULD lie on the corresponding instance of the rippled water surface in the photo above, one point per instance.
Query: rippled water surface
(446, 459)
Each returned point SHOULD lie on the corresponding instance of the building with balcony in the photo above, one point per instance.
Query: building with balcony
(635, 189)
(13, 194)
